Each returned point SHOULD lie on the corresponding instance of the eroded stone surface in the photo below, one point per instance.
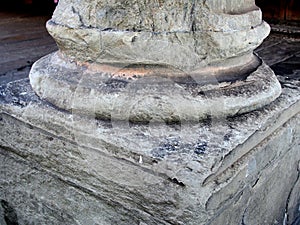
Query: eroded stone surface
(152, 61)
(83, 170)
(163, 33)
(188, 173)
(154, 97)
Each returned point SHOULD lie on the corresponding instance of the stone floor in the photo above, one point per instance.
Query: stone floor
(282, 52)
(23, 40)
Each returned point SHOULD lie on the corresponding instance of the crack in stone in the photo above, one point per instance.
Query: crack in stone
(10, 215)
(289, 196)
(79, 16)
(243, 218)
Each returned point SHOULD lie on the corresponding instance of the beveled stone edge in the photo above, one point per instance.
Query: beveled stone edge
(252, 143)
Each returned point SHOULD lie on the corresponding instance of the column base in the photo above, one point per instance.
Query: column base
(153, 94)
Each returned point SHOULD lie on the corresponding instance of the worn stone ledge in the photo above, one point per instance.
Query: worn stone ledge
(152, 98)
(188, 173)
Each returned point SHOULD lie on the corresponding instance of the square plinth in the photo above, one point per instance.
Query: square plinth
(60, 167)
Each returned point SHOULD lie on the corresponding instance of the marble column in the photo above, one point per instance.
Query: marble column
(161, 60)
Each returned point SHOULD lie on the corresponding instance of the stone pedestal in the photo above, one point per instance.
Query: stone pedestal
(151, 113)
(58, 167)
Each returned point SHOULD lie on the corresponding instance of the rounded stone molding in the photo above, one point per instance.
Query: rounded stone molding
(161, 60)
(164, 33)
(160, 97)
(186, 51)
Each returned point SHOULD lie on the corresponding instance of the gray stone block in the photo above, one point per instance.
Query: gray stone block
(59, 167)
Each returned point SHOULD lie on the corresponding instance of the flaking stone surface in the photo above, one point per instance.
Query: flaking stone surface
(163, 33)
(154, 173)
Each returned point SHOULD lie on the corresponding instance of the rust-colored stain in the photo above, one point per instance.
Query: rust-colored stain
(130, 71)
(216, 72)
(118, 71)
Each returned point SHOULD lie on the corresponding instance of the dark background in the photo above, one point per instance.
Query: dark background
(280, 10)
(273, 10)
(38, 7)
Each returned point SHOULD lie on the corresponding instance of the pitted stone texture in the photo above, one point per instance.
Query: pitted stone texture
(159, 15)
(186, 51)
(181, 97)
(193, 40)
(93, 171)
(182, 34)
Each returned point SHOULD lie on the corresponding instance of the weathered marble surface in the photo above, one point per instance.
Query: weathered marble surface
(242, 170)
(150, 32)
(151, 98)
(60, 167)
(153, 60)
